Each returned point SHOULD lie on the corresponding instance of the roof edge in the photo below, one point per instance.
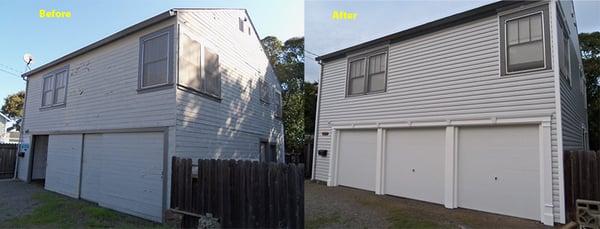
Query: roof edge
(115, 36)
(452, 20)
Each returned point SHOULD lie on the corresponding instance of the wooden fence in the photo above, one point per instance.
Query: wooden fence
(241, 194)
(8, 155)
(582, 178)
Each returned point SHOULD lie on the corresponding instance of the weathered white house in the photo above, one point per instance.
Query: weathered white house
(470, 111)
(102, 123)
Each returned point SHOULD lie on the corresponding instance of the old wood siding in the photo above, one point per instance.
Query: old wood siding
(232, 127)
(101, 94)
(449, 74)
(572, 95)
(64, 164)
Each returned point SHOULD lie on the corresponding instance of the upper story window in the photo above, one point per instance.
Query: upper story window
(564, 49)
(156, 59)
(241, 24)
(55, 88)
(367, 73)
(278, 108)
(199, 68)
(524, 41)
(264, 91)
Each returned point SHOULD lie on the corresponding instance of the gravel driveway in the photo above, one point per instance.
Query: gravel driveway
(16, 198)
(341, 207)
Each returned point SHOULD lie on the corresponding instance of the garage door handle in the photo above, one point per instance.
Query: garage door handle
(413, 170)
(495, 178)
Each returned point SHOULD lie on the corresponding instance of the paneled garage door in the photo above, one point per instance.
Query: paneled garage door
(498, 170)
(123, 171)
(414, 164)
(357, 158)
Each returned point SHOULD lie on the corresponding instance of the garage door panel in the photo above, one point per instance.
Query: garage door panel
(414, 163)
(357, 159)
(498, 170)
(62, 172)
(125, 172)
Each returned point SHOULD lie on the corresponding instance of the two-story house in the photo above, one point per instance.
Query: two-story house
(102, 123)
(470, 111)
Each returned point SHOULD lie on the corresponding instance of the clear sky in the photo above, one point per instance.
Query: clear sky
(378, 18)
(92, 20)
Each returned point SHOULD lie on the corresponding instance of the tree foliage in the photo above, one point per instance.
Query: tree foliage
(287, 60)
(590, 53)
(13, 108)
(310, 107)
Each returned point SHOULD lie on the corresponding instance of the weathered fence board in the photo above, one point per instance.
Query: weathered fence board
(245, 194)
(582, 178)
(8, 155)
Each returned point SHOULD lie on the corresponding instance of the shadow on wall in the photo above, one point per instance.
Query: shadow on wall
(230, 128)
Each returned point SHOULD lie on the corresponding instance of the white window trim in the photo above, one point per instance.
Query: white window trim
(168, 31)
(53, 102)
(543, 44)
(366, 56)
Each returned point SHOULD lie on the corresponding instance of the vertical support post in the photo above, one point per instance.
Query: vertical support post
(333, 156)
(380, 164)
(545, 147)
(450, 168)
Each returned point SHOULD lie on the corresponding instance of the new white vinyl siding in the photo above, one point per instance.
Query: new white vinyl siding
(232, 126)
(450, 74)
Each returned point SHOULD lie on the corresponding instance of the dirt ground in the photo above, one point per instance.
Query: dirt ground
(15, 198)
(341, 207)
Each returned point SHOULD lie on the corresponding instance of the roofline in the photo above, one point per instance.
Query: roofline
(452, 20)
(127, 31)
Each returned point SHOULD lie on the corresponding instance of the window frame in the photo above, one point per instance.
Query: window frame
(169, 32)
(365, 74)
(278, 104)
(52, 75)
(546, 51)
(262, 83)
(204, 75)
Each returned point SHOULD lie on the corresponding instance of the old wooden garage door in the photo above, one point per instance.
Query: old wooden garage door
(414, 163)
(498, 170)
(357, 158)
(123, 171)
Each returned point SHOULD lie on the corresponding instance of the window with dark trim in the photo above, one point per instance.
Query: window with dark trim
(54, 88)
(156, 59)
(278, 108)
(525, 41)
(264, 91)
(367, 73)
(241, 24)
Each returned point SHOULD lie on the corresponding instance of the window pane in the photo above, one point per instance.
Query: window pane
(357, 68)
(211, 71)
(189, 74)
(524, 30)
(60, 95)
(48, 84)
(526, 56)
(156, 48)
(377, 82)
(357, 85)
(536, 27)
(241, 24)
(48, 98)
(155, 73)
(512, 32)
(377, 63)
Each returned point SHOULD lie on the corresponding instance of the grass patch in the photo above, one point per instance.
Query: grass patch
(57, 211)
(322, 221)
(399, 218)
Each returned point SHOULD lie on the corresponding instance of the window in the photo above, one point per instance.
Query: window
(155, 58)
(524, 41)
(55, 88)
(264, 91)
(268, 151)
(241, 24)
(367, 73)
(278, 108)
(212, 74)
(199, 71)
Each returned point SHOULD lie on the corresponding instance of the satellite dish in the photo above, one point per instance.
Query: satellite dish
(28, 58)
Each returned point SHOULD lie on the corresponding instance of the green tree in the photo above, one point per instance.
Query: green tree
(287, 60)
(310, 107)
(13, 108)
(590, 53)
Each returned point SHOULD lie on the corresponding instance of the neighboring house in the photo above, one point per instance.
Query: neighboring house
(103, 122)
(4, 121)
(470, 111)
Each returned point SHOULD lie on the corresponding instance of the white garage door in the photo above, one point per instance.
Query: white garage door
(357, 158)
(123, 171)
(64, 157)
(498, 170)
(414, 164)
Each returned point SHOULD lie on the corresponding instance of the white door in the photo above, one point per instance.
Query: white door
(357, 158)
(64, 161)
(414, 163)
(123, 171)
(498, 170)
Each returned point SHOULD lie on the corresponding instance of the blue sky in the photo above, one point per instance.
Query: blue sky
(379, 18)
(48, 39)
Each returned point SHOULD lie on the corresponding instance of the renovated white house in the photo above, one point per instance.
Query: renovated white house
(470, 111)
(102, 123)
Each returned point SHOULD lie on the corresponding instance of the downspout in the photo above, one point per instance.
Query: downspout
(314, 157)
(16, 172)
